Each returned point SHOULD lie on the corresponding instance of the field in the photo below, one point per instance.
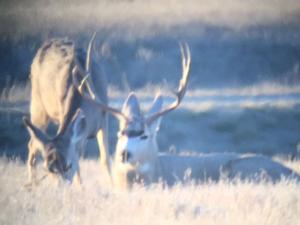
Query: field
(261, 119)
(223, 203)
(243, 97)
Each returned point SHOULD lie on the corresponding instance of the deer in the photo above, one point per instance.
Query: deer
(54, 98)
(137, 156)
(258, 168)
(137, 148)
(137, 159)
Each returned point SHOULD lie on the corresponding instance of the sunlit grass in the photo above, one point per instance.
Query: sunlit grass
(16, 93)
(97, 203)
(208, 97)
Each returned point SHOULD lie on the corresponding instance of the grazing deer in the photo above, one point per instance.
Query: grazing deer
(55, 98)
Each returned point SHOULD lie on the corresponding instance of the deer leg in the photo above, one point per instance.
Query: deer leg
(81, 150)
(78, 177)
(102, 138)
(79, 153)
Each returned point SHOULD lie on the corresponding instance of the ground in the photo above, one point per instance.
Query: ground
(243, 97)
(96, 202)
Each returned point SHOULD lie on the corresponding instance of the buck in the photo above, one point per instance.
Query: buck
(137, 148)
(55, 98)
(137, 158)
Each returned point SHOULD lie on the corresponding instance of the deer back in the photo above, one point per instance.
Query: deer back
(51, 79)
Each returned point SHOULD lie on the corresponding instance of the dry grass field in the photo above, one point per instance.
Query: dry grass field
(222, 203)
(244, 97)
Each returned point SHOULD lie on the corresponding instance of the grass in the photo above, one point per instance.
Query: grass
(17, 93)
(141, 17)
(97, 203)
(242, 203)
(204, 121)
(210, 203)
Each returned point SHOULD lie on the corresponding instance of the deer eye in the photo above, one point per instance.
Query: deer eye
(143, 137)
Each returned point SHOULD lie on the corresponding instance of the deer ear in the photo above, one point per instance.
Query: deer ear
(35, 133)
(156, 107)
(131, 107)
(78, 126)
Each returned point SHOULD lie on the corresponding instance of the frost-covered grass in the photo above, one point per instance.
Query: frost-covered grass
(16, 93)
(142, 16)
(212, 203)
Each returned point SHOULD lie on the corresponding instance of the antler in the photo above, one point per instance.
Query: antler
(186, 61)
(88, 56)
(93, 97)
(88, 82)
(90, 85)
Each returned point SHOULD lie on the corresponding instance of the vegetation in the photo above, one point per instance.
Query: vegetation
(242, 203)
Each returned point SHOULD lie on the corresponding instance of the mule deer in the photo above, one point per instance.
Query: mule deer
(137, 158)
(137, 150)
(55, 98)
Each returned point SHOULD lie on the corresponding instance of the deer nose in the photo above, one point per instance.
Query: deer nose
(125, 155)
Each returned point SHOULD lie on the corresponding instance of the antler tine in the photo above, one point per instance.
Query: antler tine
(90, 88)
(88, 82)
(87, 79)
(115, 112)
(84, 81)
(88, 54)
(91, 97)
(183, 61)
(186, 62)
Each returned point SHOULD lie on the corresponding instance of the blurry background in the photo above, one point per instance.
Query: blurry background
(244, 92)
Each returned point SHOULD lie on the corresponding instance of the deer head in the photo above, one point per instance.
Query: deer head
(136, 149)
(57, 151)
